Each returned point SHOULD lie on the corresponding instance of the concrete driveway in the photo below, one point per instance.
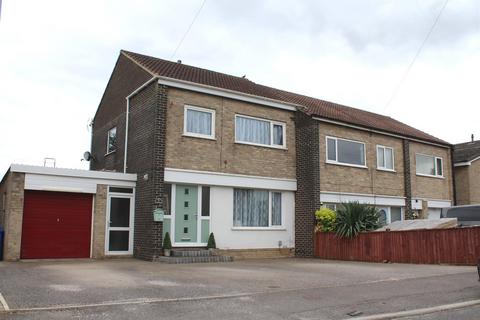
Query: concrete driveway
(260, 289)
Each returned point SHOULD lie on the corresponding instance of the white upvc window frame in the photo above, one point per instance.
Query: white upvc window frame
(336, 162)
(108, 140)
(388, 211)
(198, 135)
(384, 168)
(270, 203)
(131, 226)
(442, 176)
(272, 123)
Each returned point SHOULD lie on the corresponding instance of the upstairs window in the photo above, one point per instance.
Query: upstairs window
(199, 122)
(260, 132)
(112, 140)
(385, 157)
(345, 152)
(429, 165)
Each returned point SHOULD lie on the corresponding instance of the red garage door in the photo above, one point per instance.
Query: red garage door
(56, 225)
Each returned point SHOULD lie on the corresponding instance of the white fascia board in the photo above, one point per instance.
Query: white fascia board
(43, 182)
(374, 199)
(379, 132)
(439, 203)
(466, 163)
(235, 95)
(462, 164)
(73, 173)
(209, 178)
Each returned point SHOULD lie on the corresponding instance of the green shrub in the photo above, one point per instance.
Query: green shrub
(167, 244)
(325, 220)
(355, 217)
(211, 242)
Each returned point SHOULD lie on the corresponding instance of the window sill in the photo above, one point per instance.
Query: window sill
(430, 176)
(387, 170)
(261, 145)
(346, 165)
(259, 229)
(109, 153)
(198, 136)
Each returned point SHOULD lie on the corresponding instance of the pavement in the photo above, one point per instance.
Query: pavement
(254, 289)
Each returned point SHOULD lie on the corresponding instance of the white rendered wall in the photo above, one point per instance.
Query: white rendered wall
(226, 237)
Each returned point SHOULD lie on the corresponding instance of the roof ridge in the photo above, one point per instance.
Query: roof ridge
(129, 53)
(313, 106)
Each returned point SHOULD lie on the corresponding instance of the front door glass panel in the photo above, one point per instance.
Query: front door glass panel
(186, 214)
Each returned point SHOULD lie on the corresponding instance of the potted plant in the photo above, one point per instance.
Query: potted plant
(167, 245)
(211, 245)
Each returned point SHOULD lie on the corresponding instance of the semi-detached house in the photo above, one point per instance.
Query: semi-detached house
(190, 151)
(250, 163)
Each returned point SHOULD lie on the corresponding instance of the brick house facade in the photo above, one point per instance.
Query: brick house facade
(177, 170)
(466, 158)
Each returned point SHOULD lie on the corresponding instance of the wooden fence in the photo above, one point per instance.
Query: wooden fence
(459, 246)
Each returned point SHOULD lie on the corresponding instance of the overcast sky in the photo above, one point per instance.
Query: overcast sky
(56, 58)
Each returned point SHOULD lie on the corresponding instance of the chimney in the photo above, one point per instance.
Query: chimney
(473, 138)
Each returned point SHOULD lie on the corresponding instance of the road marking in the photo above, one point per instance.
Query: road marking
(203, 298)
(422, 311)
(4, 303)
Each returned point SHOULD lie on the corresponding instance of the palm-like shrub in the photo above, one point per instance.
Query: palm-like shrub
(355, 217)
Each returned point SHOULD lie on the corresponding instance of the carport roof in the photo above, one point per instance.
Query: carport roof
(79, 173)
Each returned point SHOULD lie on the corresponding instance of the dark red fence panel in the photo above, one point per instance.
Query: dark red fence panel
(460, 246)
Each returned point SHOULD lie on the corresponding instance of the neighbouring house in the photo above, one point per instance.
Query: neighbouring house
(250, 163)
(466, 158)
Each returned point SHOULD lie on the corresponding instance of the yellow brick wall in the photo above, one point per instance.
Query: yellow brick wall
(430, 187)
(99, 221)
(336, 178)
(462, 185)
(475, 182)
(223, 154)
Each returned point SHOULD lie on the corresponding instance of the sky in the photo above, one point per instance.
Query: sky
(56, 58)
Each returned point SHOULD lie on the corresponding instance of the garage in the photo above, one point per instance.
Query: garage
(59, 213)
(56, 225)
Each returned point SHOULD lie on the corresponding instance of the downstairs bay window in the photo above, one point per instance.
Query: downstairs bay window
(254, 208)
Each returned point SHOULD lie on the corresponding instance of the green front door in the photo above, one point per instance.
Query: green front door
(186, 214)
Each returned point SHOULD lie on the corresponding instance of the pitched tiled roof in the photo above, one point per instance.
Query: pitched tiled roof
(313, 106)
(464, 152)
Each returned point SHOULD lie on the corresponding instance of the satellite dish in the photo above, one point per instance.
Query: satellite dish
(87, 156)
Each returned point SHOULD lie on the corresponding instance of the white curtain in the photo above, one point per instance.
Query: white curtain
(252, 130)
(199, 122)
(250, 208)
(276, 209)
